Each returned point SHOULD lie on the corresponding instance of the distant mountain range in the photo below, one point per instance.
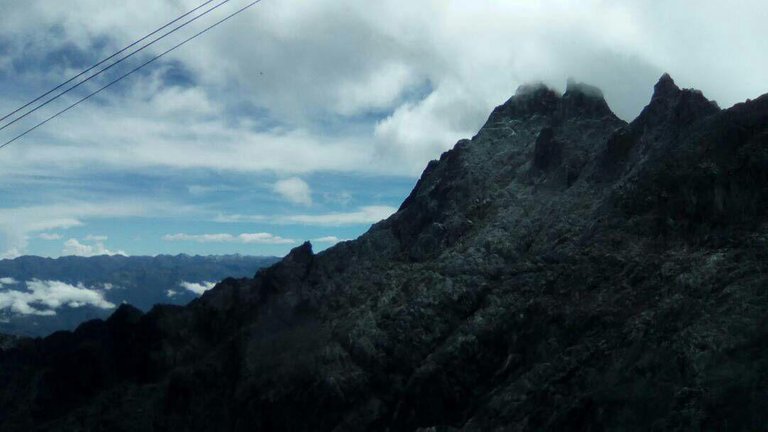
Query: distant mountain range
(41, 295)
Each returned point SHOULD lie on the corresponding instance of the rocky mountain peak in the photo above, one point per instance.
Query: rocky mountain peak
(125, 313)
(583, 100)
(674, 107)
(300, 255)
(665, 88)
(529, 100)
(580, 101)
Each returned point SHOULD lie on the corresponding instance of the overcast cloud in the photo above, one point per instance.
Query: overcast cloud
(295, 91)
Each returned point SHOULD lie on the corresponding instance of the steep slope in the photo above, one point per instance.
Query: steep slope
(562, 270)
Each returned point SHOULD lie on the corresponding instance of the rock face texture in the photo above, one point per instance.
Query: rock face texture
(562, 270)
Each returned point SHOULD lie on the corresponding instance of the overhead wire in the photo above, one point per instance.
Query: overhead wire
(120, 60)
(132, 71)
(105, 60)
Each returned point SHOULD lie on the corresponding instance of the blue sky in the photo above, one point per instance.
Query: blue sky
(308, 120)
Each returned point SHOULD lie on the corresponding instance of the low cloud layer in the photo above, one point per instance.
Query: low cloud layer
(362, 216)
(74, 247)
(327, 240)
(196, 287)
(43, 298)
(259, 238)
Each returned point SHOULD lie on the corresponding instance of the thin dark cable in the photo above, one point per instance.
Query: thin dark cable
(105, 60)
(110, 84)
(112, 65)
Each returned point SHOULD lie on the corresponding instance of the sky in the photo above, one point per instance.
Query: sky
(301, 120)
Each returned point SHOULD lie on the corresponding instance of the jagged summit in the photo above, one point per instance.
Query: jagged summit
(529, 100)
(674, 107)
(561, 270)
(533, 90)
(583, 100)
(579, 101)
(575, 87)
(665, 87)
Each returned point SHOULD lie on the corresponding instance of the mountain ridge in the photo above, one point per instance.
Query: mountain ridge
(561, 270)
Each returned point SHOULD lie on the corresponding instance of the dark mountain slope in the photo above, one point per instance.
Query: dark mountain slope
(562, 270)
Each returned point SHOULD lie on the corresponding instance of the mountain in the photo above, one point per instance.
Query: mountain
(41, 295)
(561, 270)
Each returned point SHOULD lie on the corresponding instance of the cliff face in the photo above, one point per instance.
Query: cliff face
(562, 270)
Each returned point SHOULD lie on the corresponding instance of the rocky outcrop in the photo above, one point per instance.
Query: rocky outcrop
(561, 270)
(7, 341)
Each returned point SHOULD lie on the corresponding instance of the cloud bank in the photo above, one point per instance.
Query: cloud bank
(262, 238)
(362, 216)
(74, 247)
(43, 298)
(327, 239)
(196, 287)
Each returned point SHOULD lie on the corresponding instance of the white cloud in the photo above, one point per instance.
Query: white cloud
(18, 224)
(264, 238)
(197, 287)
(294, 190)
(171, 293)
(49, 236)
(327, 239)
(362, 216)
(74, 247)
(427, 67)
(200, 238)
(43, 298)
(11, 253)
(245, 238)
(417, 132)
(8, 281)
(96, 238)
(379, 89)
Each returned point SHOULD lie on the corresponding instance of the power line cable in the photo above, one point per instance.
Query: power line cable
(112, 65)
(105, 60)
(132, 71)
